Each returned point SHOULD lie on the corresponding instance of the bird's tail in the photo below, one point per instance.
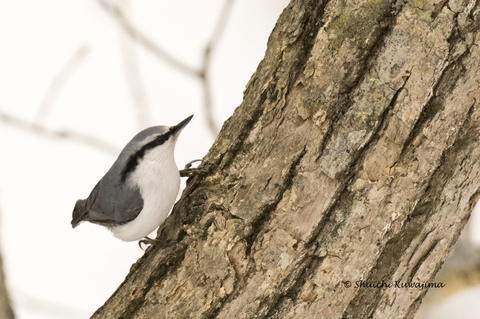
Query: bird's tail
(79, 213)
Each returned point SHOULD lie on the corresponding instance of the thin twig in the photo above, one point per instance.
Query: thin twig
(135, 84)
(221, 24)
(60, 134)
(202, 73)
(133, 78)
(207, 54)
(57, 84)
(207, 103)
(145, 41)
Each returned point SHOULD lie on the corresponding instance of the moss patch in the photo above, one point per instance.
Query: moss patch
(357, 25)
(312, 106)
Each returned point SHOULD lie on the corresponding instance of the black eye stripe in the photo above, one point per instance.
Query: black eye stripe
(134, 159)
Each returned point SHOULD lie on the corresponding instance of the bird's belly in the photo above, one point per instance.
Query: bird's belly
(159, 192)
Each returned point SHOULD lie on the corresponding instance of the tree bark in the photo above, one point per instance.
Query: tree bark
(352, 157)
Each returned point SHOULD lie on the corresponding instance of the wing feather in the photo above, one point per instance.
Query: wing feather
(109, 203)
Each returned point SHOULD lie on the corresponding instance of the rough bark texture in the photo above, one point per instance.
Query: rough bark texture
(352, 157)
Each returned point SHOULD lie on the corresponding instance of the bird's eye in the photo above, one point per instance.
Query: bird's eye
(160, 139)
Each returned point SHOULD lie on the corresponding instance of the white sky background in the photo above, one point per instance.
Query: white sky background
(53, 271)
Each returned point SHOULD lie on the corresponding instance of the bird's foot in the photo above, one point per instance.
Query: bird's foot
(147, 241)
(188, 170)
(156, 243)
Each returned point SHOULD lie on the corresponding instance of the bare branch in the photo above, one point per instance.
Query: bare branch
(221, 23)
(202, 73)
(57, 84)
(207, 105)
(138, 36)
(135, 84)
(132, 76)
(61, 134)
(207, 54)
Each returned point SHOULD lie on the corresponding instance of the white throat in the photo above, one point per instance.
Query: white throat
(158, 180)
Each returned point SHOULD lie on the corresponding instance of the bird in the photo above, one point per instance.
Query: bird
(136, 194)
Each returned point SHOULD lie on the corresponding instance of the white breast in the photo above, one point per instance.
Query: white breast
(158, 180)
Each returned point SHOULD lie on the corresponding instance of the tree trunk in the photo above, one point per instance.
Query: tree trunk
(353, 157)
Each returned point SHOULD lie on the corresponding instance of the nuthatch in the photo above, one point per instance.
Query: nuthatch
(136, 194)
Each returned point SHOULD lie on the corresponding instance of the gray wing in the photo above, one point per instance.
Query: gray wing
(109, 203)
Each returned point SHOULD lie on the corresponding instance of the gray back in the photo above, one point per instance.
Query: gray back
(113, 201)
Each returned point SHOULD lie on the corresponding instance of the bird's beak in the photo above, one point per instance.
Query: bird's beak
(177, 128)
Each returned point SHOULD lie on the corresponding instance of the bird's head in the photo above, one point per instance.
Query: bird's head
(160, 139)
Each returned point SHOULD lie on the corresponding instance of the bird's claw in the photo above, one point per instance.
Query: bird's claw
(156, 243)
(189, 164)
(147, 241)
(190, 171)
